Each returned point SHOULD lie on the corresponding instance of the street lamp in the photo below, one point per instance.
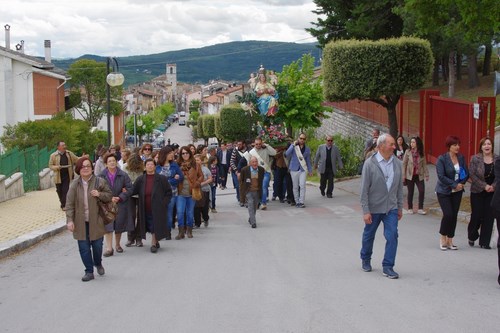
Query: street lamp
(138, 124)
(113, 79)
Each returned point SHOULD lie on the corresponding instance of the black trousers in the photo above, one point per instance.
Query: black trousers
(225, 169)
(450, 204)
(279, 183)
(482, 217)
(497, 217)
(201, 209)
(326, 181)
(411, 189)
(62, 191)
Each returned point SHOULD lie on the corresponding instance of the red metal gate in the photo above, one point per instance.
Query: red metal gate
(446, 116)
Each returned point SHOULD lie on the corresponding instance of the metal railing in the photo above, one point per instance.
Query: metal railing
(29, 161)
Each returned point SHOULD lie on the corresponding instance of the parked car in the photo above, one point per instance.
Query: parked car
(182, 114)
(161, 128)
(182, 122)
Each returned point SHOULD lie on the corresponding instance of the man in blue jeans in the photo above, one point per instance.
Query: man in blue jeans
(264, 154)
(382, 201)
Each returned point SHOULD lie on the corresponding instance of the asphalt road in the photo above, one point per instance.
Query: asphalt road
(299, 271)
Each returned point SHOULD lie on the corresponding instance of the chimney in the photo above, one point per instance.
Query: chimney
(20, 47)
(7, 36)
(48, 56)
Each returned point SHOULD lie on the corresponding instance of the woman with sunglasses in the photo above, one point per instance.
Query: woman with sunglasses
(146, 151)
(185, 203)
(170, 169)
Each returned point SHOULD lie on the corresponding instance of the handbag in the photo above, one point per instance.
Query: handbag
(107, 210)
(196, 194)
(462, 174)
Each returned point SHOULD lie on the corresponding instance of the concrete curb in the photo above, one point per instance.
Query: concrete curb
(25, 241)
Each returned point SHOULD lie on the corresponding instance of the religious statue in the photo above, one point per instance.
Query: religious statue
(267, 96)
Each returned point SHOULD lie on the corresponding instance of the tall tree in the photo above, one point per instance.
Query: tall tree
(88, 90)
(360, 19)
(301, 95)
(463, 25)
(377, 71)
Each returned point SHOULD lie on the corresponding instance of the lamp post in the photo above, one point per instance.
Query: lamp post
(113, 79)
(139, 124)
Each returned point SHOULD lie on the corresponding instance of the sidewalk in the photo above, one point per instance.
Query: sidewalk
(29, 219)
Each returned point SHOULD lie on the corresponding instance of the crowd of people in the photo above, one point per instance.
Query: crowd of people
(157, 191)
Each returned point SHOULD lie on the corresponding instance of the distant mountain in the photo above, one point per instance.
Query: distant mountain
(232, 61)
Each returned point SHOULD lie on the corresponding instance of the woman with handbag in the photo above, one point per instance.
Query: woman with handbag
(82, 216)
(154, 195)
(121, 187)
(415, 172)
(452, 175)
(482, 176)
(170, 169)
(188, 192)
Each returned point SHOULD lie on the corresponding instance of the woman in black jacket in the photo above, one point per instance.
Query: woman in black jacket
(495, 205)
(154, 195)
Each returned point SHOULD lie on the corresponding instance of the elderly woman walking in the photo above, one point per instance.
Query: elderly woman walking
(121, 187)
(82, 216)
(154, 195)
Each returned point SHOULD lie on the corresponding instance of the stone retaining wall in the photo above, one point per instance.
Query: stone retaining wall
(347, 124)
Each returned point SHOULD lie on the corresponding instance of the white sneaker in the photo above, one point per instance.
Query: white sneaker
(408, 211)
(422, 212)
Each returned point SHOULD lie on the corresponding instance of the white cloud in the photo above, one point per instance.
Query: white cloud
(132, 27)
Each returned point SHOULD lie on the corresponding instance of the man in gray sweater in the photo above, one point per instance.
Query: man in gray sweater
(382, 201)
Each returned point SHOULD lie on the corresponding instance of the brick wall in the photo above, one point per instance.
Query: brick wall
(347, 124)
(47, 99)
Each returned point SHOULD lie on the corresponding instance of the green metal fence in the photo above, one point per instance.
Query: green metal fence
(29, 161)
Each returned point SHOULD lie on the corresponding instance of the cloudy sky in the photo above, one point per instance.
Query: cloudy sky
(135, 27)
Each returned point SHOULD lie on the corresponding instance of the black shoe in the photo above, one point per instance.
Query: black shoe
(196, 226)
(154, 249)
(471, 243)
(486, 247)
(157, 245)
(282, 201)
(205, 223)
(366, 266)
(100, 270)
(87, 277)
(292, 203)
(389, 272)
(254, 226)
(130, 243)
(322, 193)
(273, 199)
(169, 237)
(329, 196)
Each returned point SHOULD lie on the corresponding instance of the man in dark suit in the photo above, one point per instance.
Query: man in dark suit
(251, 178)
(326, 162)
(224, 158)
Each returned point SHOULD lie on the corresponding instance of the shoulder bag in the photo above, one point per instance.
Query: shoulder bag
(107, 210)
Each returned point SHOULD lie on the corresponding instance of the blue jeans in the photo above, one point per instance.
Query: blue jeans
(185, 204)
(90, 251)
(236, 185)
(213, 189)
(265, 187)
(170, 212)
(390, 221)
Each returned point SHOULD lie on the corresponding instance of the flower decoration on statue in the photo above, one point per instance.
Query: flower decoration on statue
(274, 134)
